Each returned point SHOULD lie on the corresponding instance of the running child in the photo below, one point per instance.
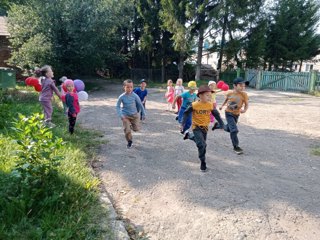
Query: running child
(170, 95)
(142, 92)
(237, 102)
(128, 107)
(178, 90)
(187, 98)
(200, 112)
(215, 115)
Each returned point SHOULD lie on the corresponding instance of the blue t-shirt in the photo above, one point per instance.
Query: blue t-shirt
(187, 99)
(131, 104)
(140, 93)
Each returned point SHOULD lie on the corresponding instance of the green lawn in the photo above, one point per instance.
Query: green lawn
(48, 191)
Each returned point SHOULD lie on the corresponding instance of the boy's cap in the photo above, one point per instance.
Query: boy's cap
(203, 89)
(192, 85)
(211, 82)
(143, 80)
(239, 80)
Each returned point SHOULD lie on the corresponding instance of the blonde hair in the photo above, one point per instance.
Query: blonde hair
(127, 81)
(169, 81)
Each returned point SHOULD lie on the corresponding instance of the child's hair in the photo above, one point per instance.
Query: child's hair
(127, 81)
(169, 81)
(179, 80)
(69, 82)
(44, 70)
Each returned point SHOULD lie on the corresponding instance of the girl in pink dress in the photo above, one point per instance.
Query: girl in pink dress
(169, 94)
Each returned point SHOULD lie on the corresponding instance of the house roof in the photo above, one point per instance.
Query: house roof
(3, 27)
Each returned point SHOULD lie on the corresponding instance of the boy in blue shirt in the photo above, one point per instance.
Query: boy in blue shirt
(142, 92)
(129, 111)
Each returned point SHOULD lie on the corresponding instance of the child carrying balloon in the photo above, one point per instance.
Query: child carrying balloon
(72, 103)
(215, 114)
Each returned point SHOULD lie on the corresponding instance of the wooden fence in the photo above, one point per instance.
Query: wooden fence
(282, 81)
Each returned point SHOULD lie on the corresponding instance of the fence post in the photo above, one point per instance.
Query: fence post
(238, 72)
(312, 81)
(258, 81)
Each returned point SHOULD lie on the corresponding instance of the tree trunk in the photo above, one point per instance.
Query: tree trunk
(180, 64)
(199, 56)
(300, 67)
(163, 69)
(223, 39)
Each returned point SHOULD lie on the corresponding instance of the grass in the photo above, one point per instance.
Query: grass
(316, 151)
(71, 208)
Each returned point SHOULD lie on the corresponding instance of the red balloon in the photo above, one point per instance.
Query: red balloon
(34, 81)
(220, 84)
(27, 81)
(37, 87)
(225, 87)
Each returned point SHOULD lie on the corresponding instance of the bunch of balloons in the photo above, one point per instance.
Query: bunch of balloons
(34, 82)
(78, 87)
(222, 85)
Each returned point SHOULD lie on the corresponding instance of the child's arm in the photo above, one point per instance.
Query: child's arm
(224, 103)
(174, 101)
(119, 108)
(246, 106)
(140, 106)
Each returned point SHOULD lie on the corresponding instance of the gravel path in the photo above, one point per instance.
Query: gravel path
(270, 192)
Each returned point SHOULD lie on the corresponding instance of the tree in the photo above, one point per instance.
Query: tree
(292, 33)
(74, 36)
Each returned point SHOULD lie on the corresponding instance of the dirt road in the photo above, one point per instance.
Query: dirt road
(272, 191)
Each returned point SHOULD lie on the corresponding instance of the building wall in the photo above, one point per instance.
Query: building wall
(4, 51)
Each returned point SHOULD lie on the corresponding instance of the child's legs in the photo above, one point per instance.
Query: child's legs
(200, 137)
(180, 115)
(188, 122)
(179, 102)
(126, 128)
(135, 122)
(47, 110)
(72, 122)
(232, 126)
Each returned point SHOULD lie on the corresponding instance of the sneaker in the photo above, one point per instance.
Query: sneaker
(129, 145)
(186, 136)
(203, 167)
(215, 126)
(238, 150)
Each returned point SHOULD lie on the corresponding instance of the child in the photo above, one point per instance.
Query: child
(178, 90)
(200, 112)
(142, 92)
(129, 112)
(170, 95)
(72, 104)
(216, 115)
(235, 100)
(46, 94)
(187, 98)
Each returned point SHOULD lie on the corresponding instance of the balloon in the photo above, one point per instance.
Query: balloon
(83, 96)
(225, 87)
(220, 84)
(79, 85)
(63, 98)
(27, 81)
(38, 87)
(34, 81)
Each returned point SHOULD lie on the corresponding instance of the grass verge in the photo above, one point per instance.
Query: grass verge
(64, 205)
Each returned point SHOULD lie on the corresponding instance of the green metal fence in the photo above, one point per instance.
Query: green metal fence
(284, 81)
